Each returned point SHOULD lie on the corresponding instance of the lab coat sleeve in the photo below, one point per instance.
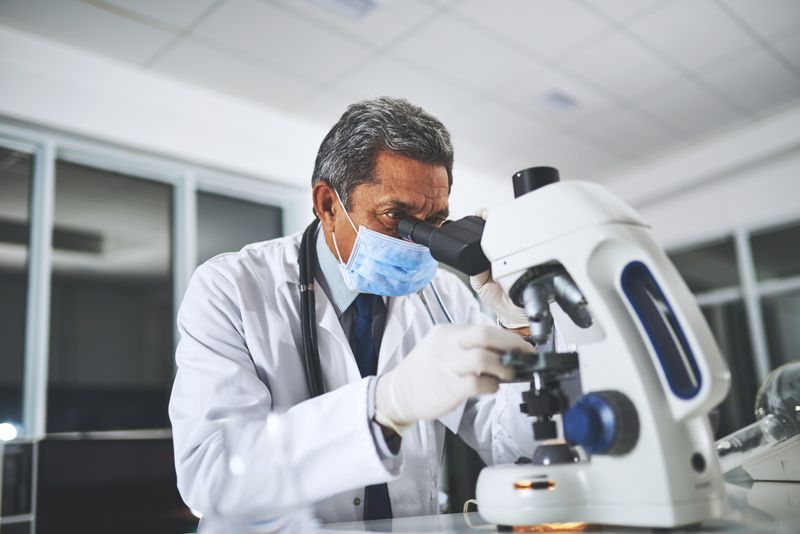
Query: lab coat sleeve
(492, 425)
(324, 444)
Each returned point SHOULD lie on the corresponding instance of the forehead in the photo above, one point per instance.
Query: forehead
(399, 175)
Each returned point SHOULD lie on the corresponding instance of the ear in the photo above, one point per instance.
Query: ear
(326, 204)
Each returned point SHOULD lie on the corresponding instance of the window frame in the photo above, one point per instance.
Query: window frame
(47, 145)
(750, 290)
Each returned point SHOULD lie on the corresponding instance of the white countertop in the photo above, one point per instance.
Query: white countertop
(770, 507)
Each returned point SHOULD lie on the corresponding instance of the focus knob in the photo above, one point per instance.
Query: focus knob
(603, 422)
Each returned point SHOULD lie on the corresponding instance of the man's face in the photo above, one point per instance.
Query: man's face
(402, 187)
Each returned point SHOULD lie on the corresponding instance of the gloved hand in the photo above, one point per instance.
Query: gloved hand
(451, 364)
(491, 293)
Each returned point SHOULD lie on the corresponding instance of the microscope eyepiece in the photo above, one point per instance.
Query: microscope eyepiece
(533, 178)
(455, 243)
(416, 230)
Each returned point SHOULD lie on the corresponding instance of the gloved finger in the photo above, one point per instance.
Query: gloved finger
(480, 361)
(482, 213)
(480, 280)
(492, 337)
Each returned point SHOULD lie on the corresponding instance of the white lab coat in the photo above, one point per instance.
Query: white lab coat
(238, 357)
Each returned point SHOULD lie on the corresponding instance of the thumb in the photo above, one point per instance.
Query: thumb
(479, 280)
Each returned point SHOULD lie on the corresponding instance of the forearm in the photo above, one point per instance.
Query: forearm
(495, 428)
(319, 458)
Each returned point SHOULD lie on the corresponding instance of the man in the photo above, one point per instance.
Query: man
(368, 447)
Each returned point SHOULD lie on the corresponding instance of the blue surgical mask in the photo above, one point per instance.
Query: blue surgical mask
(383, 265)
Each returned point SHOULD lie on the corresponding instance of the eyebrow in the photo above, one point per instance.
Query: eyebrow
(408, 208)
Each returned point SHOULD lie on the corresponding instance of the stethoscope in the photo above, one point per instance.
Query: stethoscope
(308, 319)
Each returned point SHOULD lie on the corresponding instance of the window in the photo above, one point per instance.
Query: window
(748, 287)
(728, 322)
(227, 224)
(782, 321)
(15, 187)
(93, 303)
(708, 267)
(111, 318)
(777, 252)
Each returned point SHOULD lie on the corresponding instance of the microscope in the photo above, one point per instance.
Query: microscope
(633, 446)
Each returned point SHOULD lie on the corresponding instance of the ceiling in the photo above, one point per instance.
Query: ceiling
(588, 86)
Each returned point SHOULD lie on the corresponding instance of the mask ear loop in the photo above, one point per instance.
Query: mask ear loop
(336, 246)
(333, 233)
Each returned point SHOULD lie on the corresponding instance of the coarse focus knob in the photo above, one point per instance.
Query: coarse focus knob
(533, 178)
(603, 422)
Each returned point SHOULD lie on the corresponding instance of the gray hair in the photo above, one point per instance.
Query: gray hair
(347, 155)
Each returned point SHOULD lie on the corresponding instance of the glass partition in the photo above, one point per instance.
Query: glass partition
(15, 186)
(226, 224)
(111, 317)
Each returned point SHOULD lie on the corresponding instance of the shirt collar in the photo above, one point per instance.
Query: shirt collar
(330, 277)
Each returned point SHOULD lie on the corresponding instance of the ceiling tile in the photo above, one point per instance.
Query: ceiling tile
(285, 40)
(692, 33)
(379, 26)
(88, 27)
(619, 65)
(178, 13)
(568, 154)
(463, 52)
(789, 48)
(767, 17)
(688, 107)
(756, 81)
(200, 64)
(625, 133)
(576, 159)
(493, 161)
(390, 77)
(443, 3)
(498, 127)
(622, 10)
(537, 26)
(536, 94)
(323, 107)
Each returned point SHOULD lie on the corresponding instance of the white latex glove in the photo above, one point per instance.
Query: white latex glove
(491, 293)
(449, 365)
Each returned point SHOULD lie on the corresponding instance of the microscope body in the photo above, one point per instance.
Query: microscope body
(650, 370)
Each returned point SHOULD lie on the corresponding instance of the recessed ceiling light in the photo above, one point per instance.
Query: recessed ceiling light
(352, 9)
(560, 101)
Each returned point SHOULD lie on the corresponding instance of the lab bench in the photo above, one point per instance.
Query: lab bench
(769, 507)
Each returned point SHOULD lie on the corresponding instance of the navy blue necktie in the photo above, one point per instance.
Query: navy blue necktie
(376, 498)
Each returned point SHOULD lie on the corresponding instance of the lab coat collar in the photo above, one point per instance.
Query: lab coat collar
(291, 259)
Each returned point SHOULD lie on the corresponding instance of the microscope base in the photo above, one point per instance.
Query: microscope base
(517, 495)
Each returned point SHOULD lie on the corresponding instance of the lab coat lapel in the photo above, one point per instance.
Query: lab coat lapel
(399, 318)
(336, 357)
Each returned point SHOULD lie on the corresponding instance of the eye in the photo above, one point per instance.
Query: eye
(394, 214)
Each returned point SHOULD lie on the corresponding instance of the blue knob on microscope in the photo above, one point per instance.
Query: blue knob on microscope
(604, 422)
